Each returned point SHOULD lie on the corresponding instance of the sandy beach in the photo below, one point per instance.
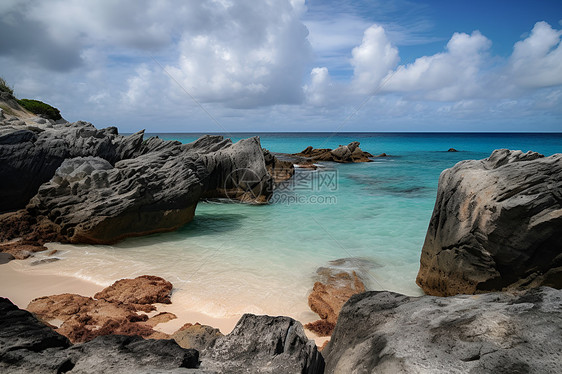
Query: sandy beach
(21, 287)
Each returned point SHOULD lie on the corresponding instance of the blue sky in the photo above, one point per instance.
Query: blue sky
(290, 65)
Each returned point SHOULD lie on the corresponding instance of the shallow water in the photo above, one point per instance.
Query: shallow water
(236, 258)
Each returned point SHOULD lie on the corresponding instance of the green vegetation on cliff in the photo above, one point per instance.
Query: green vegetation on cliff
(4, 87)
(40, 108)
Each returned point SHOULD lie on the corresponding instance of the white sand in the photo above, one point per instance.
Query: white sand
(22, 286)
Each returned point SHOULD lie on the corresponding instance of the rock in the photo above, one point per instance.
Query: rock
(495, 225)
(161, 318)
(21, 249)
(23, 338)
(381, 155)
(264, 344)
(44, 261)
(30, 157)
(29, 346)
(84, 318)
(92, 202)
(452, 150)
(235, 171)
(146, 289)
(279, 170)
(384, 332)
(130, 354)
(196, 336)
(343, 154)
(328, 296)
(97, 187)
(5, 258)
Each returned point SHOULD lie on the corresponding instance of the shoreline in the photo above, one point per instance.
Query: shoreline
(21, 287)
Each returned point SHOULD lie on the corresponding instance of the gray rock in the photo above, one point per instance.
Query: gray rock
(30, 158)
(93, 202)
(129, 354)
(258, 344)
(496, 225)
(5, 258)
(384, 332)
(264, 344)
(27, 345)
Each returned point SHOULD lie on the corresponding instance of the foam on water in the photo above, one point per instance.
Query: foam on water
(236, 258)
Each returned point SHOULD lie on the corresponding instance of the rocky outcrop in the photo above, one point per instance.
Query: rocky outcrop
(114, 310)
(328, 296)
(264, 344)
(344, 154)
(29, 346)
(258, 344)
(30, 155)
(496, 225)
(280, 170)
(384, 332)
(83, 185)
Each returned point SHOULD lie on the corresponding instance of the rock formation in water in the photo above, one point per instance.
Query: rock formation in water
(384, 332)
(79, 184)
(328, 296)
(497, 224)
(258, 344)
(344, 154)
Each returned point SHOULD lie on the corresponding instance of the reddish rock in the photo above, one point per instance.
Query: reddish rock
(161, 318)
(344, 154)
(146, 289)
(328, 297)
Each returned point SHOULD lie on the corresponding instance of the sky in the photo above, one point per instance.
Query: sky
(289, 65)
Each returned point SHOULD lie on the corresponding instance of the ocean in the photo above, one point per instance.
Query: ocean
(237, 258)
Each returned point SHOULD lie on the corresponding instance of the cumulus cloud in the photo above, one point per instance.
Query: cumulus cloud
(372, 60)
(319, 91)
(255, 56)
(451, 75)
(537, 60)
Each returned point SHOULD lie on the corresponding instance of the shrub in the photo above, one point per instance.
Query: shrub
(40, 108)
(4, 87)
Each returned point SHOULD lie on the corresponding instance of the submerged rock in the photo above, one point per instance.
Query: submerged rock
(328, 296)
(344, 154)
(496, 225)
(384, 332)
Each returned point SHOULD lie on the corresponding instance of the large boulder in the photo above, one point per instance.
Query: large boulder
(496, 225)
(93, 202)
(30, 155)
(264, 344)
(384, 332)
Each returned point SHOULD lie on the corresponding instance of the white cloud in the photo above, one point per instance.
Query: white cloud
(320, 88)
(537, 60)
(372, 60)
(450, 75)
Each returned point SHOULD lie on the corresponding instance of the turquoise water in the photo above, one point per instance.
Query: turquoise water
(236, 258)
